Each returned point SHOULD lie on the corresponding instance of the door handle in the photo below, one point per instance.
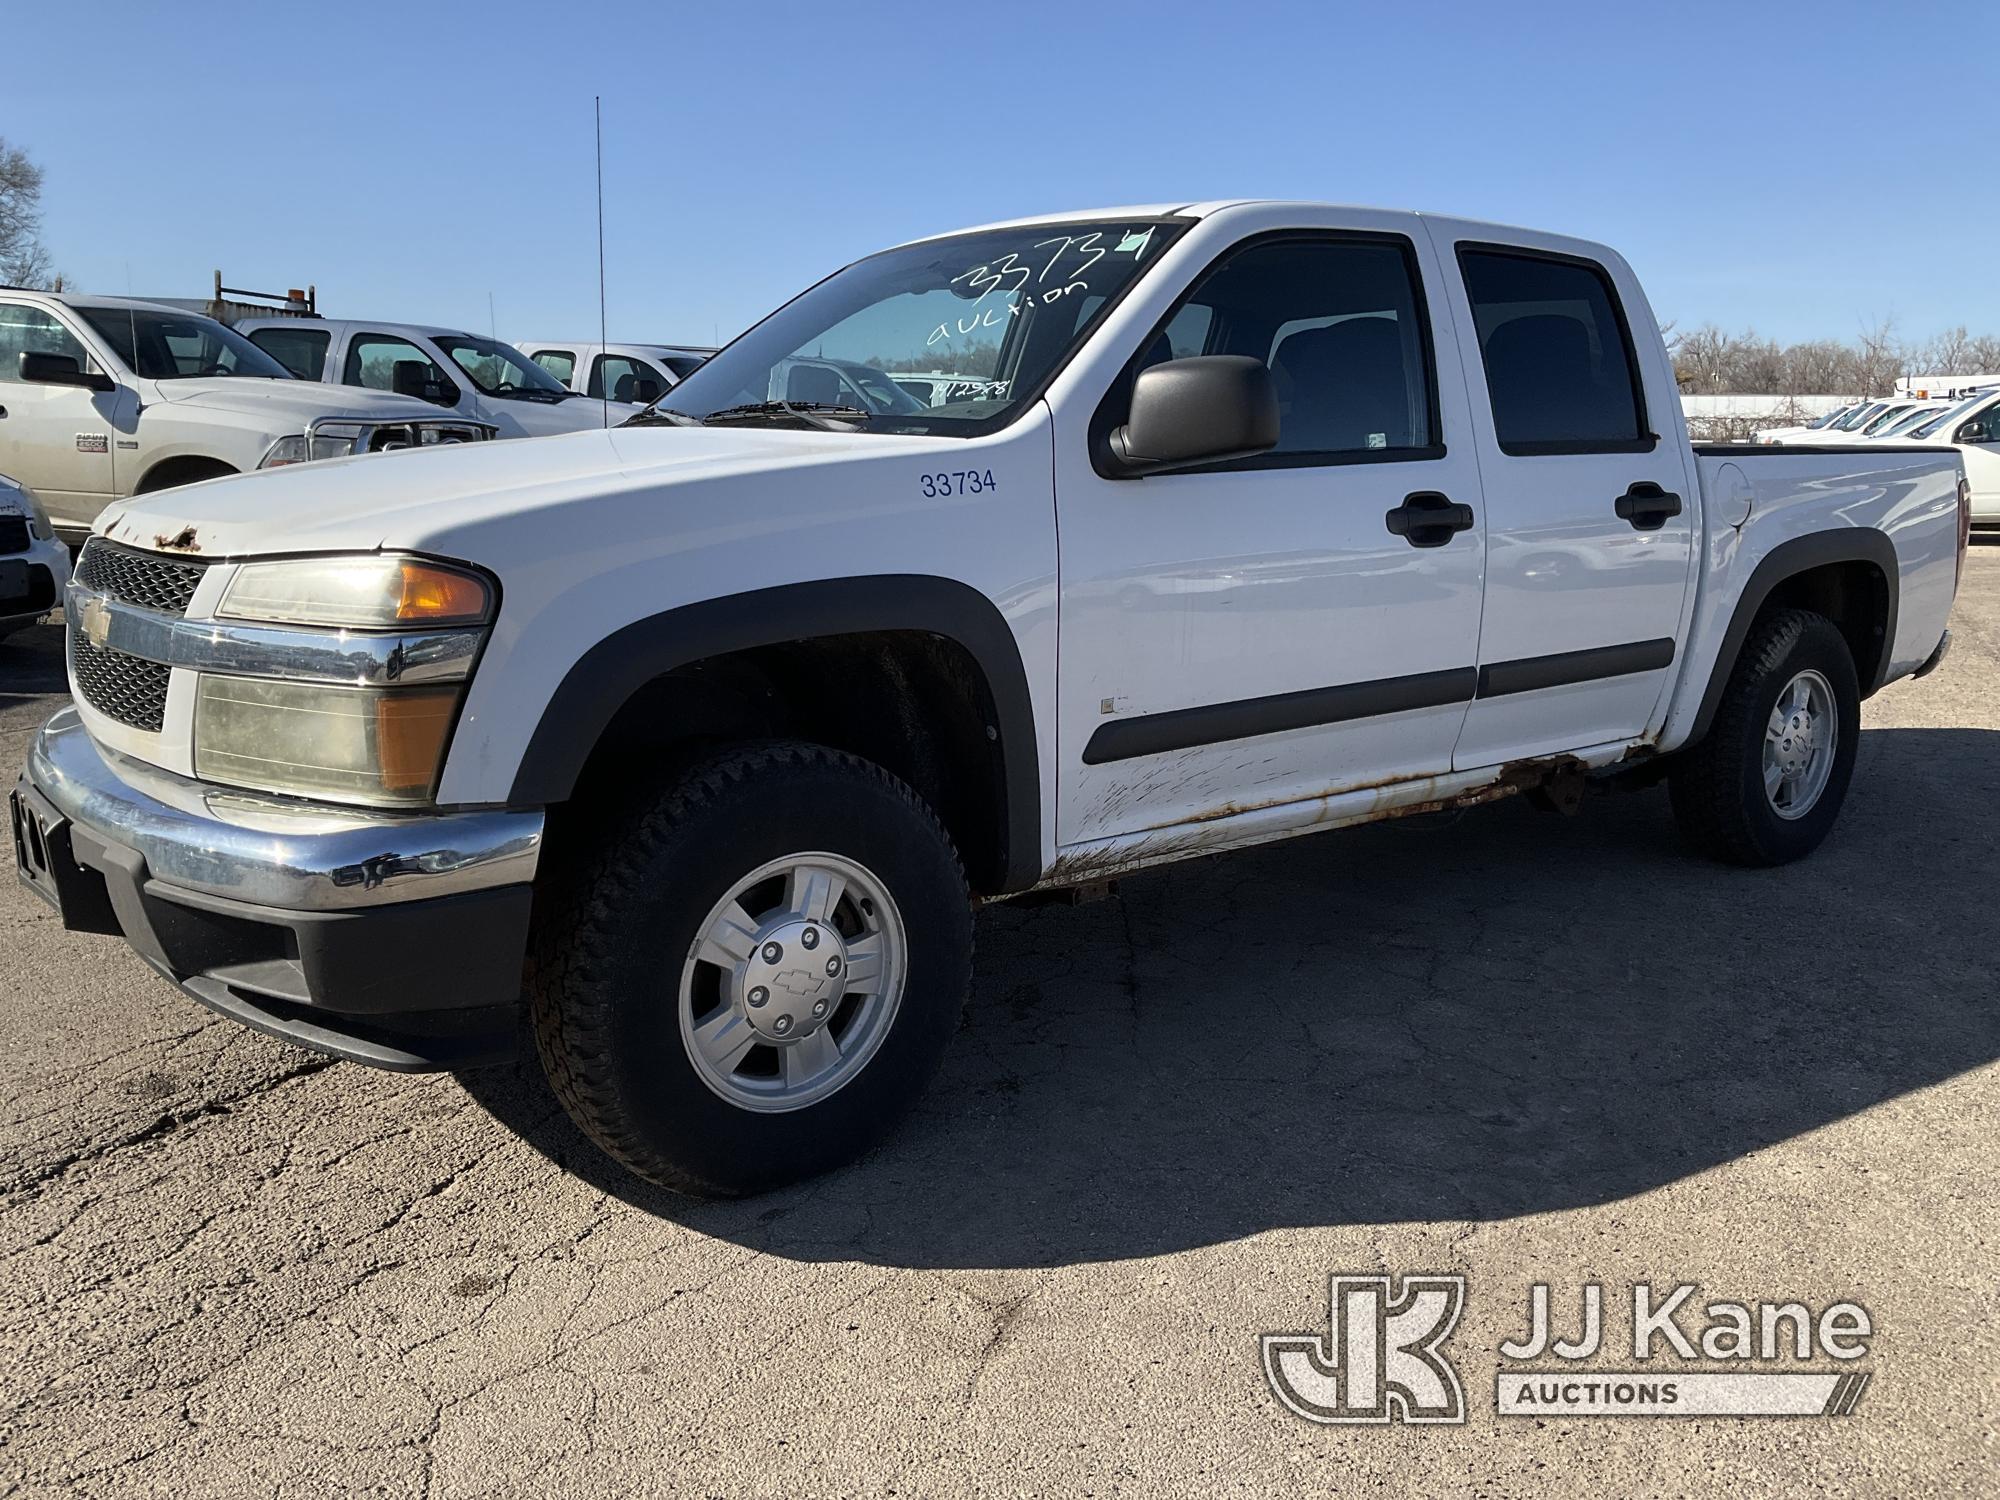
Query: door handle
(1647, 506)
(1428, 519)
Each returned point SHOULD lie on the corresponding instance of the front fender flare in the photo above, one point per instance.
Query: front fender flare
(604, 679)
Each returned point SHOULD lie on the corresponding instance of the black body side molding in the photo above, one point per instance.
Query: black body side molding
(1213, 723)
(618, 666)
(1533, 673)
(1184, 728)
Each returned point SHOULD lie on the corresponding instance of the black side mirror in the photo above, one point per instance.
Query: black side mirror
(1972, 432)
(1195, 411)
(62, 369)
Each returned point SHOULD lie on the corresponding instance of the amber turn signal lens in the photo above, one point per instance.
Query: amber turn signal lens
(439, 594)
(410, 731)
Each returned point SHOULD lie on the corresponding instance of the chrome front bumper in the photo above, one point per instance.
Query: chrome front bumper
(392, 939)
(242, 846)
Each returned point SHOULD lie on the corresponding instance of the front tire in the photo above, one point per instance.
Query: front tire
(752, 980)
(1766, 784)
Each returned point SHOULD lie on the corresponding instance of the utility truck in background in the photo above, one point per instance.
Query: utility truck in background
(694, 743)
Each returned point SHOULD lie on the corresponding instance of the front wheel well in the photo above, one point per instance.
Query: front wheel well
(188, 468)
(914, 703)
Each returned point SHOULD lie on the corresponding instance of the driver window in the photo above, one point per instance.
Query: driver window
(372, 359)
(625, 379)
(1338, 323)
(29, 330)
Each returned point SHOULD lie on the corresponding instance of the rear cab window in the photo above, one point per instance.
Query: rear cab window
(1562, 374)
(300, 350)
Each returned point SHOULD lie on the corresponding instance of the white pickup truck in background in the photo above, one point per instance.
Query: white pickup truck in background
(104, 397)
(474, 376)
(633, 373)
(1266, 518)
(1973, 428)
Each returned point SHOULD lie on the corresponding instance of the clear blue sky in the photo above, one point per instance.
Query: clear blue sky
(1801, 169)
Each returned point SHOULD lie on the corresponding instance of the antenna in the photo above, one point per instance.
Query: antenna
(492, 323)
(132, 319)
(597, 104)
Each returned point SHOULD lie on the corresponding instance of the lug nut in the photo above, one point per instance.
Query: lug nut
(782, 1025)
(833, 966)
(772, 953)
(809, 938)
(819, 1008)
(758, 996)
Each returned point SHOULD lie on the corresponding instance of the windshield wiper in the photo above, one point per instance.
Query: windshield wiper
(660, 416)
(825, 415)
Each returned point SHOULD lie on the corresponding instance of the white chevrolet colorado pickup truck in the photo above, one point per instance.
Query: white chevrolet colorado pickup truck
(695, 741)
(104, 397)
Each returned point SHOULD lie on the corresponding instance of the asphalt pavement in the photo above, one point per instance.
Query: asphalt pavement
(1500, 1044)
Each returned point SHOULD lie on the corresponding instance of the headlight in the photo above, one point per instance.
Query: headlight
(348, 744)
(377, 737)
(356, 593)
(326, 442)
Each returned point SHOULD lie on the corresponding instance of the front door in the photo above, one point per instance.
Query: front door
(1589, 515)
(56, 439)
(1255, 633)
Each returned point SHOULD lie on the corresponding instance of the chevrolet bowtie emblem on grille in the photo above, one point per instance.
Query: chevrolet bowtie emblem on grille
(95, 621)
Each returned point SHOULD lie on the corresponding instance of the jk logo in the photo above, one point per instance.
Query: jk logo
(1380, 1360)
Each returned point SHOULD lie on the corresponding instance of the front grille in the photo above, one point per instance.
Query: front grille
(126, 688)
(421, 434)
(164, 584)
(13, 534)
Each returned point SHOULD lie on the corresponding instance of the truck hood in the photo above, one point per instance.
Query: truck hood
(441, 499)
(287, 405)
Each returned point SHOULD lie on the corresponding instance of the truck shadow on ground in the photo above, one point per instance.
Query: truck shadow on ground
(1457, 1018)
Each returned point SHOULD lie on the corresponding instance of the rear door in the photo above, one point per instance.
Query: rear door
(1589, 511)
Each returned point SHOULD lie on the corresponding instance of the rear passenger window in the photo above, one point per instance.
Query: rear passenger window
(1560, 371)
(1341, 326)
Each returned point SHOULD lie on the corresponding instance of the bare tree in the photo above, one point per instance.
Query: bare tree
(24, 260)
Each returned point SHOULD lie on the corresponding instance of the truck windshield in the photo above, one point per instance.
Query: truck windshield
(500, 369)
(161, 345)
(1000, 308)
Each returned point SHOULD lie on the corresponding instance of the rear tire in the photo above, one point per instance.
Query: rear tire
(677, 990)
(1765, 786)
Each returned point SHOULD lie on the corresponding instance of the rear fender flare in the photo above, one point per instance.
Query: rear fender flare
(1788, 560)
